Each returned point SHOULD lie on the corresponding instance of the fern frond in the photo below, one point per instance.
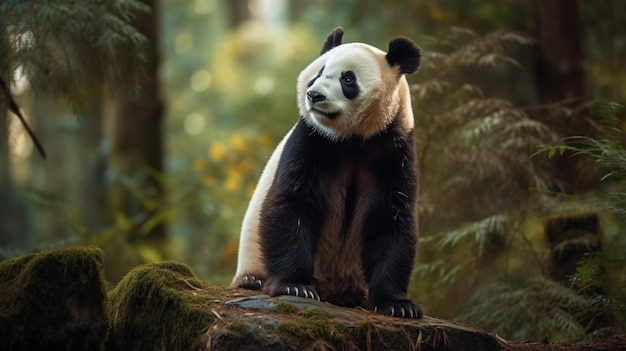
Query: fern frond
(489, 49)
(445, 271)
(529, 310)
(477, 233)
(430, 88)
(70, 48)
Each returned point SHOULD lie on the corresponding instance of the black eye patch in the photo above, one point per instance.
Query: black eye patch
(319, 74)
(349, 87)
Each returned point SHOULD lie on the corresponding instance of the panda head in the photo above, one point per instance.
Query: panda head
(356, 89)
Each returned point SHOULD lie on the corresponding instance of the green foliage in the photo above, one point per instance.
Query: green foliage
(593, 304)
(478, 233)
(69, 48)
(606, 151)
(458, 128)
(470, 49)
(601, 277)
(482, 250)
(529, 309)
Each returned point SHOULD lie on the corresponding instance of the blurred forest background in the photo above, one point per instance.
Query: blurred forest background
(157, 117)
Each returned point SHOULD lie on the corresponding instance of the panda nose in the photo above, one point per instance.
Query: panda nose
(314, 96)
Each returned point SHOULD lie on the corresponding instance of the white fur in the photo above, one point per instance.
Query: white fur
(384, 93)
(249, 260)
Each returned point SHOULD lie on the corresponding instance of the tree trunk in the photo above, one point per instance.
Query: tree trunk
(560, 78)
(134, 127)
(560, 74)
(92, 155)
(238, 12)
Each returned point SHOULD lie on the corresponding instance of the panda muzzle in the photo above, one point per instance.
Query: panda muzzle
(315, 97)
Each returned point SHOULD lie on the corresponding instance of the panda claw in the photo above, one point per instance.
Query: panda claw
(296, 288)
(306, 294)
(288, 291)
(398, 308)
(250, 282)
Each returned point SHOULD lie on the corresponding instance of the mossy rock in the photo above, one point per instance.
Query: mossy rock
(53, 300)
(160, 306)
(292, 323)
(163, 306)
(56, 300)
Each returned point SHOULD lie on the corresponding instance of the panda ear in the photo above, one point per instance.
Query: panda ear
(332, 40)
(403, 52)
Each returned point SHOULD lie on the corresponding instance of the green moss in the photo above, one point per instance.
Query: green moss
(159, 306)
(53, 300)
(286, 308)
(318, 314)
(239, 328)
(314, 327)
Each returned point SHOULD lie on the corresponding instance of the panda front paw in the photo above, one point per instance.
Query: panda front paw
(301, 290)
(251, 282)
(399, 308)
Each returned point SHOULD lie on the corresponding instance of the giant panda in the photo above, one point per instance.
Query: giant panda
(333, 216)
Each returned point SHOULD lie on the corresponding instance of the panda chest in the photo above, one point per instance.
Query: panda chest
(338, 251)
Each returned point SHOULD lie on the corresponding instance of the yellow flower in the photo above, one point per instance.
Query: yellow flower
(238, 142)
(208, 182)
(233, 180)
(198, 164)
(265, 141)
(217, 151)
(244, 166)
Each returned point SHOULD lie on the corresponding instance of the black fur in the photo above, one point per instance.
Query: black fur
(296, 207)
(349, 87)
(404, 53)
(319, 74)
(333, 40)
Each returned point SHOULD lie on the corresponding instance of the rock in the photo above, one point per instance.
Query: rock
(292, 323)
(160, 306)
(53, 300)
(163, 306)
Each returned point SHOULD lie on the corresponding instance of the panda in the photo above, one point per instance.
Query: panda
(333, 216)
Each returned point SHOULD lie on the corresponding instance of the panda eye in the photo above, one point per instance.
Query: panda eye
(348, 78)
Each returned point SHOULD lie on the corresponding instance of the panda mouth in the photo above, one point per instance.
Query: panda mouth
(327, 114)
